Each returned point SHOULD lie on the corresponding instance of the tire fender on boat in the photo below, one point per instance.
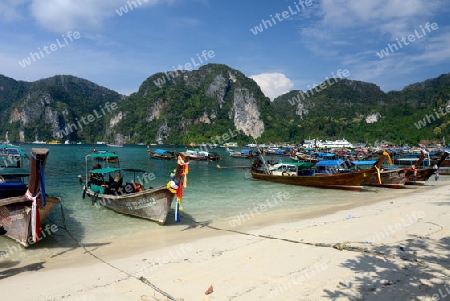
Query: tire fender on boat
(84, 192)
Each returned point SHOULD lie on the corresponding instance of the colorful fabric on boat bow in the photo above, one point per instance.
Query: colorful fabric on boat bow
(176, 186)
(35, 218)
(378, 175)
(388, 157)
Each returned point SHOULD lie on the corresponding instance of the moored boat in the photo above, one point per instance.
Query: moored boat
(389, 178)
(245, 153)
(106, 187)
(54, 142)
(418, 176)
(203, 155)
(23, 208)
(304, 157)
(301, 173)
(161, 154)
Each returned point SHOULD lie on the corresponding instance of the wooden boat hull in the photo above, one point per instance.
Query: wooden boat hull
(242, 156)
(395, 178)
(16, 218)
(422, 175)
(161, 157)
(205, 158)
(348, 181)
(152, 204)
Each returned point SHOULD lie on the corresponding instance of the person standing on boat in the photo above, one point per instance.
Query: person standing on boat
(436, 172)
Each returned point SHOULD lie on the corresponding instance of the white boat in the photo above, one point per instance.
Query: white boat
(231, 144)
(327, 144)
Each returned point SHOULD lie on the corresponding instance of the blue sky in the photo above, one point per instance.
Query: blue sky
(305, 43)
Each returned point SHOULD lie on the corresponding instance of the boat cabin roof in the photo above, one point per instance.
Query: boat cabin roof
(330, 162)
(105, 170)
(104, 155)
(161, 151)
(364, 162)
(8, 149)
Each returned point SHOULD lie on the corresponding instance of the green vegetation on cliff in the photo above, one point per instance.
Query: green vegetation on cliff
(196, 106)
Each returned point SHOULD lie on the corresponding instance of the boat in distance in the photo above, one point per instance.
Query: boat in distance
(161, 154)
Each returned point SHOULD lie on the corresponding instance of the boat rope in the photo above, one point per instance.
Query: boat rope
(142, 279)
(338, 246)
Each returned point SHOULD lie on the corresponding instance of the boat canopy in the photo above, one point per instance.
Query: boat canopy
(8, 149)
(245, 151)
(104, 155)
(364, 162)
(105, 170)
(280, 152)
(322, 155)
(329, 163)
(160, 151)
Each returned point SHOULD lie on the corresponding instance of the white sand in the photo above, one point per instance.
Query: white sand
(396, 249)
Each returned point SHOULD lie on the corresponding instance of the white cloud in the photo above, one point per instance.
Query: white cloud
(60, 16)
(395, 17)
(436, 49)
(273, 84)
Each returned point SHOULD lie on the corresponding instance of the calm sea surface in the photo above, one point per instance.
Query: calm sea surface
(211, 195)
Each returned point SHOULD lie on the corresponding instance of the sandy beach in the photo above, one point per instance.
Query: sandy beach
(395, 249)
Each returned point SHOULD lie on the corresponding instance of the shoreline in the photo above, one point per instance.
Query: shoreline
(271, 253)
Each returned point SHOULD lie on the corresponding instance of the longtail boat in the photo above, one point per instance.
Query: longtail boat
(161, 154)
(389, 178)
(245, 153)
(203, 155)
(301, 173)
(23, 209)
(418, 176)
(106, 187)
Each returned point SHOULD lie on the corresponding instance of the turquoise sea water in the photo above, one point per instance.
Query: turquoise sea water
(212, 194)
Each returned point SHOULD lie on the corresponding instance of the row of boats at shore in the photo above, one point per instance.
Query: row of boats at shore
(341, 168)
(25, 205)
(348, 174)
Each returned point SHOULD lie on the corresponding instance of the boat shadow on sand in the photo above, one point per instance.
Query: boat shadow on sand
(8, 269)
(55, 243)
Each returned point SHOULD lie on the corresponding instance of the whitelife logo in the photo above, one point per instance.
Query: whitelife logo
(34, 56)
